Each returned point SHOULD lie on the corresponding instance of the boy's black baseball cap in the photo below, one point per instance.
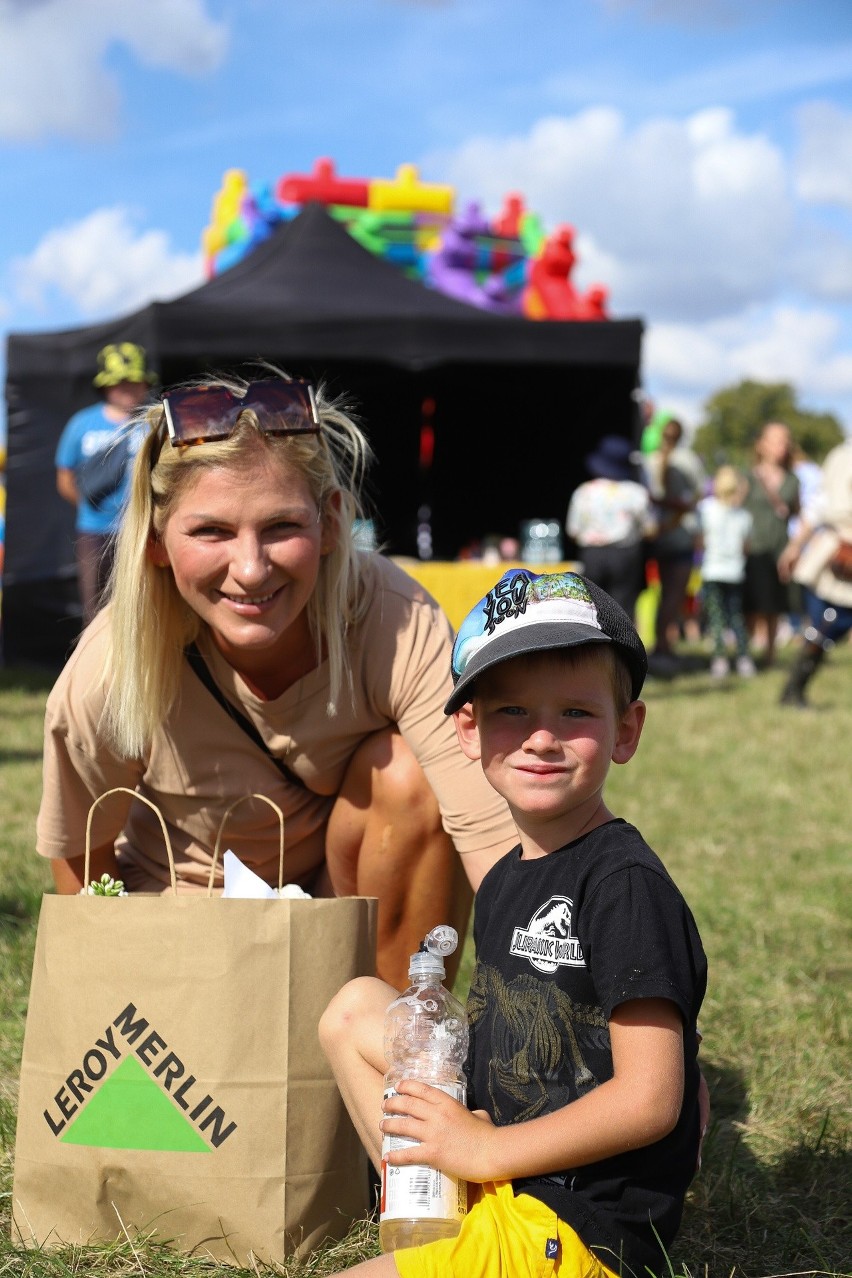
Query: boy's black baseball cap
(534, 612)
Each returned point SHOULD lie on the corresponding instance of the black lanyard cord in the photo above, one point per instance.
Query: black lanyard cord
(202, 670)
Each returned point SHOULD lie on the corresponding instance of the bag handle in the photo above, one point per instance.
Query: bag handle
(123, 789)
(242, 799)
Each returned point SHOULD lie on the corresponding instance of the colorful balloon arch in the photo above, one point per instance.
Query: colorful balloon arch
(508, 265)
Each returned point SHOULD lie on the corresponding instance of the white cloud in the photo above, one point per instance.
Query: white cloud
(790, 347)
(822, 264)
(105, 266)
(691, 224)
(52, 77)
(692, 217)
(824, 160)
(803, 347)
(686, 356)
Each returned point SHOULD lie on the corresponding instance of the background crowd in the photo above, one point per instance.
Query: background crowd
(736, 560)
(739, 558)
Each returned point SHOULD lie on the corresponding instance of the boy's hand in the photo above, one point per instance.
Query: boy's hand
(637, 1106)
(451, 1138)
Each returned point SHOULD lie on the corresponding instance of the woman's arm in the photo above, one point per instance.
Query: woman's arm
(79, 767)
(418, 653)
(639, 1105)
(68, 875)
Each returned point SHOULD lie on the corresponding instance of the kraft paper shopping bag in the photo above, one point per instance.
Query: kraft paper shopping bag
(172, 1081)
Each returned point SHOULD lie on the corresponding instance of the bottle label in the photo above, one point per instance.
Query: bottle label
(421, 1192)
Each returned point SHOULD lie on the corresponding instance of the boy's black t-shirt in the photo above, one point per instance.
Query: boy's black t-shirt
(561, 941)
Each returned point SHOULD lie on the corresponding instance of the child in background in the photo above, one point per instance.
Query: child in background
(725, 530)
(586, 1100)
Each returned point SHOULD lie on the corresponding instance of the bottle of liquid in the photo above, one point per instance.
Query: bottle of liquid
(425, 1038)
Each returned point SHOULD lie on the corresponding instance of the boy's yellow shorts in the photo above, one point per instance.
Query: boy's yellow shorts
(502, 1237)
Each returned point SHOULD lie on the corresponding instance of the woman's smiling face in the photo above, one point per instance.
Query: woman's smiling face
(244, 545)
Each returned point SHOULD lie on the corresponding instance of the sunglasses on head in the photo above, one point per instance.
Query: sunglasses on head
(202, 413)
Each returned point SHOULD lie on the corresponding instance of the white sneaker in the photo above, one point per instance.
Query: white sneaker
(746, 667)
(720, 667)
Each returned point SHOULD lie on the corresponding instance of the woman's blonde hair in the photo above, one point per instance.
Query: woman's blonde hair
(150, 622)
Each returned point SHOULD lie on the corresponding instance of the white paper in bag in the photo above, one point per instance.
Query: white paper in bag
(242, 882)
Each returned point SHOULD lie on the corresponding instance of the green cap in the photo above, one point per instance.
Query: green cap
(123, 362)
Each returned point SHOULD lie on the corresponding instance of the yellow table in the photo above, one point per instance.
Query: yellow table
(459, 585)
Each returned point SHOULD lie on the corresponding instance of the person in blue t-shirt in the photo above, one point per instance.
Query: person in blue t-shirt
(92, 464)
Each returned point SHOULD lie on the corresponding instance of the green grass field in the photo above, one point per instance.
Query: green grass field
(749, 806)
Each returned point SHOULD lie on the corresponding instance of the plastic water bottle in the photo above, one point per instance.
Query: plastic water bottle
(425, 1038)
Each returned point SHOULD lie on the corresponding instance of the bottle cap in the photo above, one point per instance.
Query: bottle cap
(429, 959)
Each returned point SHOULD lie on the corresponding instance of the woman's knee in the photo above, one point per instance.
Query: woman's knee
(390, 778)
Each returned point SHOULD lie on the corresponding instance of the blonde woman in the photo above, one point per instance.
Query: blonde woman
(249, 646)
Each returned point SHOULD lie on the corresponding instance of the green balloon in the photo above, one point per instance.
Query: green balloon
(652, 435)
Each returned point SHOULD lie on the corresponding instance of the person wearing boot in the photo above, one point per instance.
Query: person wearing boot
(815, 558)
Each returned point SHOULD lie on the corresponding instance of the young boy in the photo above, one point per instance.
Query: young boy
(584, 1129)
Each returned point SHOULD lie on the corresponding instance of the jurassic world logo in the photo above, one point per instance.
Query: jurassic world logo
(547, 941)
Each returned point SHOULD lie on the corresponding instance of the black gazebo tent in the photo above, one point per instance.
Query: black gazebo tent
(518, 403)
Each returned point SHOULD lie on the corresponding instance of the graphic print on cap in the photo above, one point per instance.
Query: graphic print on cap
(523, 598)
(539, 612)
(559, 597)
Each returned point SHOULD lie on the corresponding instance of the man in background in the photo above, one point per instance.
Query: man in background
(93, 461)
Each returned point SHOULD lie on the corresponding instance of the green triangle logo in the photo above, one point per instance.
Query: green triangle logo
(130, 1111)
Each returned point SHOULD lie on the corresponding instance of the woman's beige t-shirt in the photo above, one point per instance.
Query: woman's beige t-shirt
(201, 760)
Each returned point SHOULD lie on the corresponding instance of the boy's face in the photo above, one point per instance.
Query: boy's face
(546, 731)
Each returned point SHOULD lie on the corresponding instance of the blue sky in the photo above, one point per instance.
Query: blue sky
(701, 149)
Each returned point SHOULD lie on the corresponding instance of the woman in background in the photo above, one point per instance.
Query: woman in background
(772, 499)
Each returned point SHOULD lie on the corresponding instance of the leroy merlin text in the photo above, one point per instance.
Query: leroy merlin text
(170, 1070)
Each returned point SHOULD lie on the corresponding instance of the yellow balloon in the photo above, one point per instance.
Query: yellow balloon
(406, 193)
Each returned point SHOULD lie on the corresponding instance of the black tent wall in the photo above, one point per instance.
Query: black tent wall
(518, 403)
